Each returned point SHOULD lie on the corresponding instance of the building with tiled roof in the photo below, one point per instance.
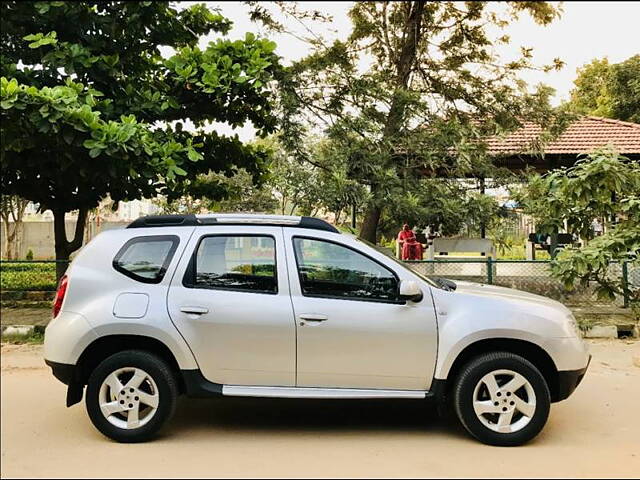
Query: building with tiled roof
(523, 147)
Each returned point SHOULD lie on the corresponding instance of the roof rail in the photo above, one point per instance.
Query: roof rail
(192, 220)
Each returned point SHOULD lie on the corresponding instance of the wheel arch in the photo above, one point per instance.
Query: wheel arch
(108, 345)
(526, 349)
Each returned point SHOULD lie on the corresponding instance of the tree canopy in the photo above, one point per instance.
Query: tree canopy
(410, 93)
(604, 186)
(608, 90)
(91, 108)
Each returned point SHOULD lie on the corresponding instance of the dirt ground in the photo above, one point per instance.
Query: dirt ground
(595, 433)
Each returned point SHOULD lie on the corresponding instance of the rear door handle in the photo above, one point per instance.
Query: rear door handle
(193, 310)
(313, 317)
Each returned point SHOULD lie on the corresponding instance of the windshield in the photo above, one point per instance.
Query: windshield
(434, 282)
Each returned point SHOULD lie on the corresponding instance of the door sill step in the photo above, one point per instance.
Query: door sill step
(315, 392)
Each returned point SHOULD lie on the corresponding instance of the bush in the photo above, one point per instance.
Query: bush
(28, 276)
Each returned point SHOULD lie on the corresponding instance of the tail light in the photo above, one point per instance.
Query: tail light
(60, 293)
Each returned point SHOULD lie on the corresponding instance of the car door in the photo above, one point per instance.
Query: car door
(230, 301)
(352, 330)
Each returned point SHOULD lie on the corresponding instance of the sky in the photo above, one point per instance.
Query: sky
(586, 30)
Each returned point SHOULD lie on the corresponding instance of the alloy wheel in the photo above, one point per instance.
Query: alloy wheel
(504, 401)
(128, 398)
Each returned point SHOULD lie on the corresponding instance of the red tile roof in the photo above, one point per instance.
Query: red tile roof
(582, 136)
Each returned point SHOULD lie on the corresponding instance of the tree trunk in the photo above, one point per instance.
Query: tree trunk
(64, 248)
(369, 228)
(404, 66)
(11, 229)
(13, 207)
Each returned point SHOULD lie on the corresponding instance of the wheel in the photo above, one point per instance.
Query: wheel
(501, 399)
(130, 395)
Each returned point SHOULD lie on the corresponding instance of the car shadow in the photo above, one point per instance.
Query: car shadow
(308, 415)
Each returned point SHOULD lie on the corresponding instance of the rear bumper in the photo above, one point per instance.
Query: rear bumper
(69, 375)
(568, 381)
(62, 371)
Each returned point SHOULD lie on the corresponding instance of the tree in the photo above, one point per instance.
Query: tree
(451, 207)
(12, 210)
(245, 195)
(241, 194)
(608, 90)
(432, 89)
(312, 188)
(591, 94)
(625, 89)
(603, 185)
(90, 108)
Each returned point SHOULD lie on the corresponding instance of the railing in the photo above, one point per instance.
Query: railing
(529, 275)
(532, 276)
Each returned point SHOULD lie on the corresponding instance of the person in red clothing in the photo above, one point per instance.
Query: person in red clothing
(410, 248)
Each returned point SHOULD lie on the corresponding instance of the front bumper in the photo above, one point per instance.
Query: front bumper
(568, 381)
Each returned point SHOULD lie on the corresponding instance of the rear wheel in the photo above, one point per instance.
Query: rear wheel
(501, 399)
(130, 395)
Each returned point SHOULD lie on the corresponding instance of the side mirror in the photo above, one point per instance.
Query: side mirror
(409, 290)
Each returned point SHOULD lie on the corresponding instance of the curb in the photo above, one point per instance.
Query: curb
(612, 331)
(23, 330)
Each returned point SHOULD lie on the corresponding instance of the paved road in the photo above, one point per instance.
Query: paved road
(593, 434)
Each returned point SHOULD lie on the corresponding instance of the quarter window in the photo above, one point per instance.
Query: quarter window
(243, 263)
(327, 269)
(146, 259)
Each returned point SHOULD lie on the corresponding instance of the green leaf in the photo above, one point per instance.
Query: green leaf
(40, 39)
(193, 155)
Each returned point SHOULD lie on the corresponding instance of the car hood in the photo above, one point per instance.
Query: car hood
(509, 294)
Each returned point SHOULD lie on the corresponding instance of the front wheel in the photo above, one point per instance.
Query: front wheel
(130, 395)
(501, 399)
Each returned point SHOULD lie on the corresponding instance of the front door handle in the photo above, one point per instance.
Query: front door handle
(313, 317)
(194, 310)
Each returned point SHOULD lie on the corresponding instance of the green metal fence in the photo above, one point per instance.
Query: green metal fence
(531, 276)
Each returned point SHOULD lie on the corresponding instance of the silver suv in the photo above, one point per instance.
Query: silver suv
(280, 306)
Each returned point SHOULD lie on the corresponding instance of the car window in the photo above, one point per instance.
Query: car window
(236, 262)
(327, 269)
(438, 282)
(146, 259)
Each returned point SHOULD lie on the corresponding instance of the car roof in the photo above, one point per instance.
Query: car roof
(191, 220)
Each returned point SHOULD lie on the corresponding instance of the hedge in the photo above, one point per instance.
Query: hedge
(28, 276)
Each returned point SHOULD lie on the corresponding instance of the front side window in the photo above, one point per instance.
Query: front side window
(330, 270)
(146, 259)
(233, 262)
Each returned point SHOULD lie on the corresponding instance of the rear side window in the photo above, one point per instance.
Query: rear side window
(245, 263)
(146, 259)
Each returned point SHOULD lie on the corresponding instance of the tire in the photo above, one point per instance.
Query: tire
(494, 413)
(114, 409)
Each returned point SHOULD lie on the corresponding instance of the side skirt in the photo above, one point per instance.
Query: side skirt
(195, 385)
(312, 392)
